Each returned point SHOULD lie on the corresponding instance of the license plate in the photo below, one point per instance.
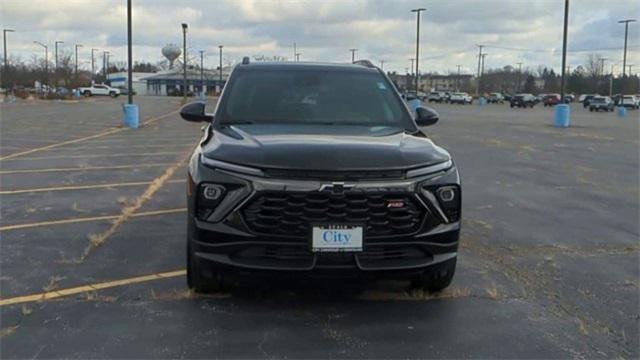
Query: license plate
(336, 238)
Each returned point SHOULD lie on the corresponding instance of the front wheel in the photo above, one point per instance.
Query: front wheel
(113, 94)
(437, 278)
(87, 93)
(196, 279)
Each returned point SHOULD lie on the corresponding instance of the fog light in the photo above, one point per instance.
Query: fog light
(447, 194)
(212, 192)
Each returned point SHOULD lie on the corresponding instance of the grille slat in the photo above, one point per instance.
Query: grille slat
(293, 213)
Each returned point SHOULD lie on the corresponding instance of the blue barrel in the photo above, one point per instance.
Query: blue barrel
(622, 111)
(131, 116)
(562, 116)
(482, 101)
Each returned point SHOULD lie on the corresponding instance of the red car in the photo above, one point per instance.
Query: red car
(551, 99)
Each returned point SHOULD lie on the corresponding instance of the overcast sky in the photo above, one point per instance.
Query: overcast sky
(513, 30)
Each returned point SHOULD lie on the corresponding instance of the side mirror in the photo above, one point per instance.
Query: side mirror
(195, 112)
(426, 116)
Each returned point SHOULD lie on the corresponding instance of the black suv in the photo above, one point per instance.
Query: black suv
(318, 169)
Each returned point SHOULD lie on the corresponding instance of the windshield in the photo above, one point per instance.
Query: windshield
(269, 96)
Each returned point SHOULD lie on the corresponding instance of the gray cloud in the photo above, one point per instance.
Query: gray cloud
(325, 30)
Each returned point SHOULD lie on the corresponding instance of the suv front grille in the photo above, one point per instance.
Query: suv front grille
(293, 213)
(334, 175)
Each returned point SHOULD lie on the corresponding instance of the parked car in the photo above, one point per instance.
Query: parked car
(569, 98)
(495, 98)
(551, 99)
(125, 90)
(631, 101)
(587, 99)
(99, 89)
(447, 96)
(507, 97)
(598, 103)
(254, 208)
(460, 98)
(523, 101)
(178, 92)
(436, 96)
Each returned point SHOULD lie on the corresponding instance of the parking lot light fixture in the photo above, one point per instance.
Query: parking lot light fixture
(4, 75)
(562, 115)
(417, 11)
(184, 61)
(46, 61)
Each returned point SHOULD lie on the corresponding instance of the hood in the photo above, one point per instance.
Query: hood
(322, 147)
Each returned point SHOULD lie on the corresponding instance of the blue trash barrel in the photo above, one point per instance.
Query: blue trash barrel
(131, 116)
(622, 111)
(482, 101)
(562, 116)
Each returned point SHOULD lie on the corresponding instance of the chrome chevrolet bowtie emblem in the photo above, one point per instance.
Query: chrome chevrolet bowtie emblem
(336, 187)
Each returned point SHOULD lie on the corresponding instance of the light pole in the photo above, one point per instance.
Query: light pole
(56, 45)
(519, 74)
(479, 76)
(46, 61)
(4, 75)
(298, 57)
(202, 72)
(561, 115)
(353, 55)
(626, 34)
(130, 60)
(295, 50)
(601, 67)
(77, 46)
(220, 47)
(417, 11)
(458, 78)
(381, 64)
(184, 61)
(105, 63)
(482, 66)
(93, 66)
(411, 75)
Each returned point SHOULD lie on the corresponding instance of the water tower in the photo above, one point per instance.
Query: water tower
(171, 52)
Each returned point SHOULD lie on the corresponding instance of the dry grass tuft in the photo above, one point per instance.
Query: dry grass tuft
(26, 311)
(53, 283)
(416, 295)
(8, 331)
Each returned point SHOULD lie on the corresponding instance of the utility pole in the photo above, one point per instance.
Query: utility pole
(56, 45)
(601, 67)
(46, 61)
(5, 68)
(220, 47)
(202, 71)
(482, 66)
(295, 50)
(458, 78)
(93, 66)
(104, 64)
(626, 34)
(519, 75)
(184, 62)
(479, 60)
(630, 66)
(381, 64)
(564, 49)
(353, 55)
(298, 57)
(77, 46)
(417, 11)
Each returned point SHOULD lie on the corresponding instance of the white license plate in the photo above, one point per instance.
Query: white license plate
(336, 238)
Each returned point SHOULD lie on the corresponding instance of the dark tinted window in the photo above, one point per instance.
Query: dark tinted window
(313, 97)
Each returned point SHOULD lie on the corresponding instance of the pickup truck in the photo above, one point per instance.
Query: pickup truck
(99, 89)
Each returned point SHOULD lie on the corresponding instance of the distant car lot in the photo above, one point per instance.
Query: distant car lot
(549, 246)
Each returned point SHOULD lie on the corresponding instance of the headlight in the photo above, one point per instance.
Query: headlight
(448, 200)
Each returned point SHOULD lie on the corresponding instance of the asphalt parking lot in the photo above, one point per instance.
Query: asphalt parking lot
(93, 246)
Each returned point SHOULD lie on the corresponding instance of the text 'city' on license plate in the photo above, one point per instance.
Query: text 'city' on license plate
(336, 238)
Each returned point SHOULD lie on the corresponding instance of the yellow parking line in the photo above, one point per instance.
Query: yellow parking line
(73, 141)
(86, 219)
(90, 287)
(81, 168)
(95, 156)
(81, 187)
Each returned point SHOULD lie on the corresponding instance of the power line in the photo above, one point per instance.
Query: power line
(555, 50)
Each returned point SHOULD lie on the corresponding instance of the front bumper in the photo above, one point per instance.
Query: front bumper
(222, 238)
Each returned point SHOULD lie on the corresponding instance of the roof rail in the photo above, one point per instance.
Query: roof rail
(365, 63)
(245, 60)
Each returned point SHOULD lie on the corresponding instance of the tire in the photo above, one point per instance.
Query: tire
(196, 280)
(511, 106)
(437, 278)
(87, 93)
(113, 94)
